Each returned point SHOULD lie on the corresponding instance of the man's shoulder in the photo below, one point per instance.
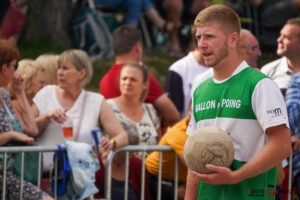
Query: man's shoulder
(179, 64)
(271, 65)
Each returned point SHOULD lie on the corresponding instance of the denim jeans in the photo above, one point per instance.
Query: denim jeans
(132, 8)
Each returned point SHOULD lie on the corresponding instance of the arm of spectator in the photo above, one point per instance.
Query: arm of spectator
(15, 136)
(42, 121)
(111, 124)
(181, 158)
(24, 111)
(167, 109)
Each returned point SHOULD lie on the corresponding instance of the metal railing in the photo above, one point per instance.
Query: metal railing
(144, 149)
(6, 151)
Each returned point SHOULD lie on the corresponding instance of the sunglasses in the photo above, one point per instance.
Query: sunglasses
(15, 65)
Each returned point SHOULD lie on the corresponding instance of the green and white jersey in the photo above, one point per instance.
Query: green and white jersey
(244, 105)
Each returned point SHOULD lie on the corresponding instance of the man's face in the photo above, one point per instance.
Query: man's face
(288, 41)
(213, 44)
(253, 52)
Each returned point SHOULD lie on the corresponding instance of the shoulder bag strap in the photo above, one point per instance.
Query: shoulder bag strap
(81, 115)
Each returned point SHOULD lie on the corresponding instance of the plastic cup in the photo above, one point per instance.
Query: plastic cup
(67, 128)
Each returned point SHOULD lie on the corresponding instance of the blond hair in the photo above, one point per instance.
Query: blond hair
(223, 15)
(28, 69)
(49, 63)
(80, 60)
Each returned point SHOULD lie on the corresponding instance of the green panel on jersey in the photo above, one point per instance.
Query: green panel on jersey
(260, 187)
(230, 99)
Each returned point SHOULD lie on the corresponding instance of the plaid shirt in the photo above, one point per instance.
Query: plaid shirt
(293, 109)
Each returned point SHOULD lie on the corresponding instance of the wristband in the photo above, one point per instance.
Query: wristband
(114, 144)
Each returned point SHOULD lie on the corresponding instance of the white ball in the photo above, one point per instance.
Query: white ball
(208, 145)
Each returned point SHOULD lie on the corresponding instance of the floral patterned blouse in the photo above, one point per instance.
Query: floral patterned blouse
(146, 127)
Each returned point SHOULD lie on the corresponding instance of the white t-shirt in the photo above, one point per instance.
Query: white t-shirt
(185, 69)
(46, 100)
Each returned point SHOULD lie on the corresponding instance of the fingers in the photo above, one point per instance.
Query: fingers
(58, 115)
(106, 144)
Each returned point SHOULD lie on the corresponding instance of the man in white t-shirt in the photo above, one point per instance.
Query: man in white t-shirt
(180, 79)
(288, 47)
(243, 102)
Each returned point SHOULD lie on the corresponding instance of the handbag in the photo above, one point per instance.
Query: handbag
(31, 159)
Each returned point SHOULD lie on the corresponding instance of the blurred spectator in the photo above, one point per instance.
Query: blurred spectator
(3, 9)
(174, 12)
(181, 75)
(249, 48)
(133, 10)
(34, 77)
(12, 131)
(127, 44)
(55, 104)
(288, 47)
(129, 105)
(118, 171)
(49, 63)
(175, 138)
(273, 14)
(293, 108)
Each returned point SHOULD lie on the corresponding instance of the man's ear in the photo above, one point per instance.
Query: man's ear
(233, 40)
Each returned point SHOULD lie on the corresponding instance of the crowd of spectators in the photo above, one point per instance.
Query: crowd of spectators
(38, 96)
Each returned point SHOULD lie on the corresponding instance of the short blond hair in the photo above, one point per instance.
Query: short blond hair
(28, 69)
(80, 60)
(49, 63)
(223, 15)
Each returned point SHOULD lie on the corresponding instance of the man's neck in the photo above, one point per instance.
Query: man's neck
(225, 69)
(294, 64)
(121, 59)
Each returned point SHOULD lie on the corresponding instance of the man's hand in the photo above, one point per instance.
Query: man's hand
(221, 175)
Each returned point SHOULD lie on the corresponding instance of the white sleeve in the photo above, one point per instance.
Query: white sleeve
(192, 124)
(268, 104)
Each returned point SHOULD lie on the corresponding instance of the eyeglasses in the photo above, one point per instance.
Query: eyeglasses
(15, 65)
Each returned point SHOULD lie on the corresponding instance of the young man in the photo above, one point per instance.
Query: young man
(288, 46)
(243, 102)
(127, 45)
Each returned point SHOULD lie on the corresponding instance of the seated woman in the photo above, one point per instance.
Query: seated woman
(54, 104)
(11, 130)
(118, 172)
(130, 106)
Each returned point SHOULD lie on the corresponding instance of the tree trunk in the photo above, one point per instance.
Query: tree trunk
(48, 21)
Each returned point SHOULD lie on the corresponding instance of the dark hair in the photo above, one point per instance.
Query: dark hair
(8, 52)
(125, 37)
(221, 14)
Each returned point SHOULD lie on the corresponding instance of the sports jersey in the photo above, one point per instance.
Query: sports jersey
(244, 105)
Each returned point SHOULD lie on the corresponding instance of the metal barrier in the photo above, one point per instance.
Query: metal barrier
(9, 150)
(5, 151)
(144, 149)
